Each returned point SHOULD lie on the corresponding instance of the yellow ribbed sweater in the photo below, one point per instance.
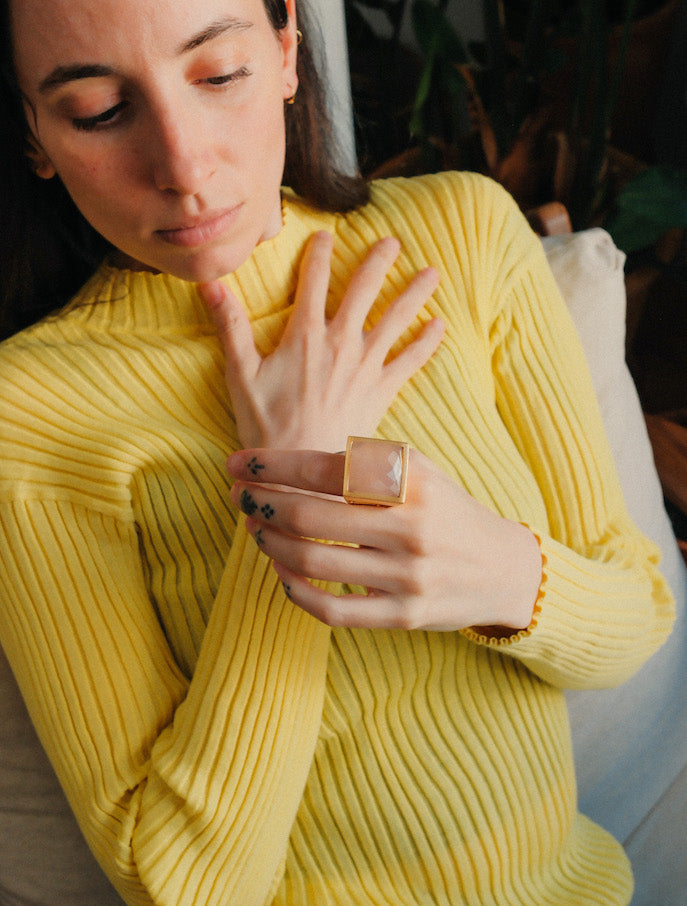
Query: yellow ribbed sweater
(219, 746)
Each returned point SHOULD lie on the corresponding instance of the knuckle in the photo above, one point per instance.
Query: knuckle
(405, 622)
(231, 321)
(300, 518)
(339, 335)
(415, 575)
(307, 560)
(417, 541)
(417, 466)
(414, 544)
(332, 614)
(305, 473)
(411, 616)
(319, 471)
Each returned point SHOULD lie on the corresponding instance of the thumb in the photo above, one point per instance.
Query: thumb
(233, 328)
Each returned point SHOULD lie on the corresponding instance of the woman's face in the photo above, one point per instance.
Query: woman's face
(163, 119)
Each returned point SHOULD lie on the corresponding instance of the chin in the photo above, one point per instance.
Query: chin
(200, 272)
(200, 266)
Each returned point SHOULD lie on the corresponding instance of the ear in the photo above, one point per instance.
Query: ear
(289, 43)
(40, 162)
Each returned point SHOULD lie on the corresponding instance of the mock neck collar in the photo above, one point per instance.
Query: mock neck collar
(144, 301)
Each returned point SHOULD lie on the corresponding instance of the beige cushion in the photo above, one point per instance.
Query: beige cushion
(630, 743)
(44, 860)
(589, 271)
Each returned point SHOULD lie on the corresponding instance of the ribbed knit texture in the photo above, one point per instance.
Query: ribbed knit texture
(218, 745)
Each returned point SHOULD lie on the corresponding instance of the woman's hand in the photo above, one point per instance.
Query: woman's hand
(440, 561)
(327, 378)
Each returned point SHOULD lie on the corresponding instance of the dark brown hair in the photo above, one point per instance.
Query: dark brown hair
(48, 249)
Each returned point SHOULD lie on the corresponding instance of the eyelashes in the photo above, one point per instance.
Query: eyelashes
(220, 81)
(113, 115)
(91, 123)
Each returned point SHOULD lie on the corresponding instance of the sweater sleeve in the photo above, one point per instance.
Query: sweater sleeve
(185, 790)
(603, 606)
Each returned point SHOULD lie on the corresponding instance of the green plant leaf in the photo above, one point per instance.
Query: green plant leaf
(453, 79)
(416, 125)
(435, 34)
(442, 48)
(651, 203)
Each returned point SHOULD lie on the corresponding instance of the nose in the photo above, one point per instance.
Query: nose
(180, 153)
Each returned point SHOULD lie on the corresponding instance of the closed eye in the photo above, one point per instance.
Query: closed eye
(222, 80)
(112, 114)
(91, 123)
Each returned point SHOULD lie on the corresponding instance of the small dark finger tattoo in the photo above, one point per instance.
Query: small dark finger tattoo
(259, 540)
(267, 511)
(247, 504)
(254, 466)
(287, 590)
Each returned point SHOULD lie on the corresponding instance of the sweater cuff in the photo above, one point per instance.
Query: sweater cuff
(596, 620)
(496, 636)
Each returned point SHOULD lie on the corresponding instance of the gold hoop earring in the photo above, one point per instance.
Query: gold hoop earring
(291, 100)
(299, 36)
(41, 167)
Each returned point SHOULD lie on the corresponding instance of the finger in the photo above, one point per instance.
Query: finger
(401, 368)
(366, 284)
(327, 562)
(403, 311)
(355, 611)
(313, 282)
(233, 328)
(306, 516)
(306, 470)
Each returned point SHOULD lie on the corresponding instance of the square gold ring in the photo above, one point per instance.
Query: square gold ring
(375, 471)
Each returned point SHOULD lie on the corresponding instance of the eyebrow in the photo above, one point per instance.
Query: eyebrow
(229, 23)
(61, 75)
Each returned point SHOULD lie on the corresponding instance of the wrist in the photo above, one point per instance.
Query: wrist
(517, 572)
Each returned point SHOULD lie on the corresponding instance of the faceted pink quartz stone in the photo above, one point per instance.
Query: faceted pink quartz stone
(375, 471)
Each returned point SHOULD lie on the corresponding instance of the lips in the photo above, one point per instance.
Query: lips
(198, 231)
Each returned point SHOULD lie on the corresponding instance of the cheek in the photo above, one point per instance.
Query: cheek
(263, 140)
(110, 206)
(94, 176)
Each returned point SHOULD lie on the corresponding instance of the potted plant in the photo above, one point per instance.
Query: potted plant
(532, 105)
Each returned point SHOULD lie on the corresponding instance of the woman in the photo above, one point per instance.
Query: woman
(228, 731)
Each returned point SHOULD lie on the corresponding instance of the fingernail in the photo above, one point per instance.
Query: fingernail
(234, 464)
(212, 293)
